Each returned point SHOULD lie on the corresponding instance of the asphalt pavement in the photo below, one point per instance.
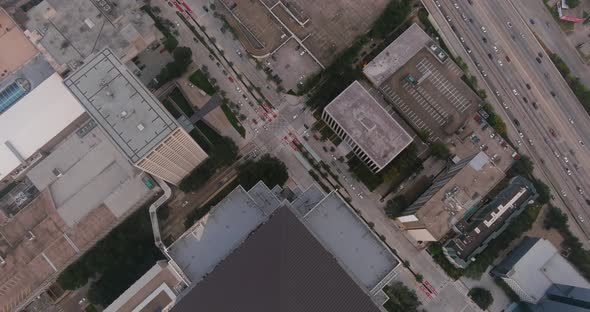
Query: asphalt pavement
(516, 72)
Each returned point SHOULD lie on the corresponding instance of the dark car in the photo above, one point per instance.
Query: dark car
(535, 105)
(525, 99)
(538, 60)
(528, 86)
(516, 122)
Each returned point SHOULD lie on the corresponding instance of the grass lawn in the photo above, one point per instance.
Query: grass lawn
(233, 120)
(178, 98)
(199, 80)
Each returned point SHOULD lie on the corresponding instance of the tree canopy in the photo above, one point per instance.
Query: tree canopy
(481, 296)
(269, 169)
(396, 206)
(523, 167)
(401, 298)
(440, 151)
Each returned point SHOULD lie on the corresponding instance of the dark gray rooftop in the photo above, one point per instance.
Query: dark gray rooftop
(130, 114)
(281, 267)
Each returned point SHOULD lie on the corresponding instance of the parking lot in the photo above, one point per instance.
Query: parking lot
(479, 136)
(257, 29)
(431, 95)
(292, 65)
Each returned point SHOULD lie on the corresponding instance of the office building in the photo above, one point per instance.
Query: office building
(311, 254)
(360, 121)
(135, 121)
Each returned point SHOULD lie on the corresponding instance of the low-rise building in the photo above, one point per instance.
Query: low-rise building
(135, 121)
(156, 289)
(489, 221)
(370, 131)
(533, 267)
(69, 31)
(74, 195)
(423, 84)
(452, 195)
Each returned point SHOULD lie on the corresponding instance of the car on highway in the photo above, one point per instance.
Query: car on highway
(528, 86)
(581, 143)
(552, 132)
(566, 160)
(520, 134)
(448, 18)
(538, 60)
(509, 24)
(484, 39)
(532, 21)
(437, 3)
(456, 5)
(556, 153)
(495, 48)
(581, 218)
(505, 105)
(468, 50)
(571, 120)
(500, 62)
(525, 99)
(580, 190)
(462, 39)
(515, 92)
(569, 172)
(507, 59)
(531, 142)
(483, 29)
(490, 56)
(535, 105)
(231, 79)
(516, 122)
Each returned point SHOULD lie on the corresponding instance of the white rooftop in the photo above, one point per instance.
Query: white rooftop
(130, 114)
(543, 266)
(34, 120)
(396, 54)
(358, 250)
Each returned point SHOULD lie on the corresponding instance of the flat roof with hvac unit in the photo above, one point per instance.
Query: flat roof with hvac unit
(129, 113)
(361, 118)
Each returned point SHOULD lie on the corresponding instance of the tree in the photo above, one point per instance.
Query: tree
(423, 135)
(170, 43)
(440, 151)
(573, 3)
(182, 59)
(396, 206)
(419, 278)
(543, 191)
(481, 296)
(523, 167)
(555, 219)
(269, 169)
(401, 298)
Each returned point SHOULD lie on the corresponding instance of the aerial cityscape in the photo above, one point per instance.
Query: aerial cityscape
(294, 155)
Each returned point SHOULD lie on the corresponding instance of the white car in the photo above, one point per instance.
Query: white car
(571, 120)
(520, 134)
(456, 5)
(515, 92)
(566, 160)
(462, 39)
(569, 172)
(495, 49)
(556, 154)
(500, 62)
(483, 29)
(437, 3)
(448, 18)
(581, 219)
(509, 24)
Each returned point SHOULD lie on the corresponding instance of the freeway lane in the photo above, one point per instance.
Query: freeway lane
(519, 81)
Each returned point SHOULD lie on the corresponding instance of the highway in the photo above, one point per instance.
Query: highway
(528, 92)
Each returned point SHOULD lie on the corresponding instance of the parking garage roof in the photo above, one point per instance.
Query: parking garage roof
(368, 124)
(396, 54)
(130, 114)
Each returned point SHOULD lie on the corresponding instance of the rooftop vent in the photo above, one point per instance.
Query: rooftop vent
(57, 172)
(140, 127)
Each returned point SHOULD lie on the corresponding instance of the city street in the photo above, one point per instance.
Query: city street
(288, 120)
(543, 116)
(549, 32)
